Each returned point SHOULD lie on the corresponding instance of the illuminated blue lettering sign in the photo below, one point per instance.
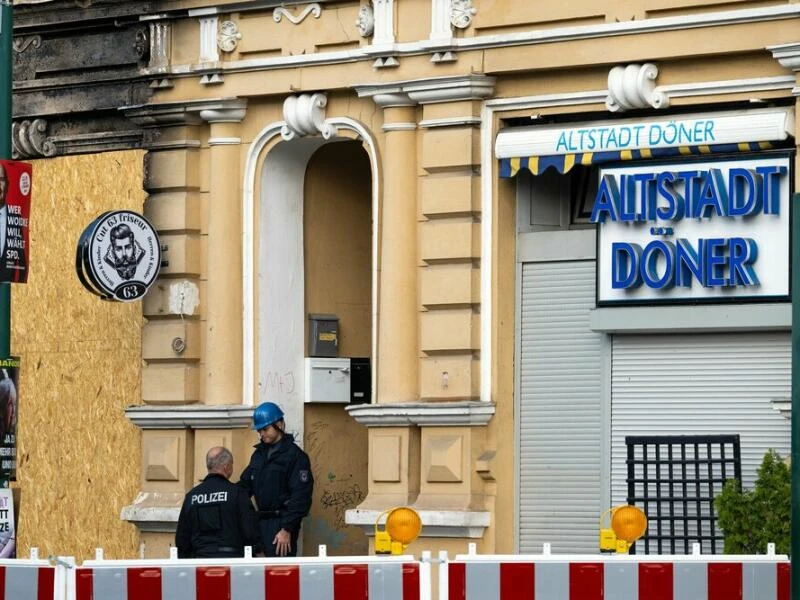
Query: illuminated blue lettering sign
(697, 194)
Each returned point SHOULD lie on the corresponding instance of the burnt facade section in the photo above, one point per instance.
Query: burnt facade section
(75, 65)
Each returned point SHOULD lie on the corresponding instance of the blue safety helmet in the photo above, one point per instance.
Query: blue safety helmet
(266, 414)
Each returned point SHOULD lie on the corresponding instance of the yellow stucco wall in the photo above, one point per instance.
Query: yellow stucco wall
(79, 457)
(434, 171)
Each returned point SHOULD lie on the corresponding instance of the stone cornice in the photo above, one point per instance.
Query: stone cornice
(389, 98)
(195, 416)
(787, 54)
(429, 90)
(188, 112)
(431, 414)
(450, 89)
(529, 37)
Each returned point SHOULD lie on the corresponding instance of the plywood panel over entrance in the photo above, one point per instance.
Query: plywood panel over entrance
(79, 457)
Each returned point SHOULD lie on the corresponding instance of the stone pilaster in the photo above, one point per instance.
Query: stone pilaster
(449, 230)
(223, 355)
(397, 378)
(428, 444)
(172, 336)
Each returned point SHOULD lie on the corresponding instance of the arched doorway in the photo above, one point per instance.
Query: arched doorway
(315, 245)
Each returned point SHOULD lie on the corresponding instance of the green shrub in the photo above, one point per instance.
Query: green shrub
(753, 518)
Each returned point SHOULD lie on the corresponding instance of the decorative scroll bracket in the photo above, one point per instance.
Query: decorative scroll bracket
(634, 86)
(29, 139)
(305, 115)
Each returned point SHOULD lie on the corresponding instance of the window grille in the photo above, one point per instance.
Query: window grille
(674, 480)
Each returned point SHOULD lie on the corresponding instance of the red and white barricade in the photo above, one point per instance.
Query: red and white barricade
(311, 578)
(621, 577)
(32, 578)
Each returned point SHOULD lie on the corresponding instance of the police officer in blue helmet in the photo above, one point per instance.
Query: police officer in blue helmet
(279, 476)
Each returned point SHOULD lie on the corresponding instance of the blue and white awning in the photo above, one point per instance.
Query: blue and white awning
(561, 147)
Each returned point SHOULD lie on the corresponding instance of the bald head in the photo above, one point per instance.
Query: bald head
(219, 460)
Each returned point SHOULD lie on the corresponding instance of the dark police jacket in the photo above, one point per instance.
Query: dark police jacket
(281, 481)
(217, 520)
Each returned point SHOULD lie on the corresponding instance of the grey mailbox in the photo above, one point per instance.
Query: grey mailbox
(323, 336)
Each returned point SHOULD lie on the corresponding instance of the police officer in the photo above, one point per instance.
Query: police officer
(279, 476)
(217, 519)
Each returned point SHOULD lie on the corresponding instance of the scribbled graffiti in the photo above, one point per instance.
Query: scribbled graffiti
(282, 383)
(317, 438)
(340, 500)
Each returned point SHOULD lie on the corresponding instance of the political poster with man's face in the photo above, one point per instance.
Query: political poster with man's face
(8, 530)
(15, 208)
(9, 403)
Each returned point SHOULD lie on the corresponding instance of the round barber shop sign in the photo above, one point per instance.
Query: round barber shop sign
(119, 256)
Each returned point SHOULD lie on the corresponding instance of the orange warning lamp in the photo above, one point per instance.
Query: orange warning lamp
(628, 524)
(402, 527)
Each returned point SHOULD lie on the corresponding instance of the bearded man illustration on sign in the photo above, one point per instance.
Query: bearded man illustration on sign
(124, 252)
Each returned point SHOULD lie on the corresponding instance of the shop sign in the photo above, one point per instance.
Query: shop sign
(118, 256)
(694, 231)
(706, 129)
(15, 208)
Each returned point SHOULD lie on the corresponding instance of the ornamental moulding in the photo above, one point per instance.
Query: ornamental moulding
(313, 9)
(634, 86)
(461, 13)
(305, 115)
(228, 36)
(20, 44)
(29, 139)
(366, 21)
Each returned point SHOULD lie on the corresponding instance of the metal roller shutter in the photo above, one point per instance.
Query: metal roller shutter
(697, 385)
(560, 408)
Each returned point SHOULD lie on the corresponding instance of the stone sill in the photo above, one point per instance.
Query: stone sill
(431, 414)
(435, 523)
(154, 511)
(194, 416)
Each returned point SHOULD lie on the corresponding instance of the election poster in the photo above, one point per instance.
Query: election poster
(15, 208)
(9, 401)
(8, 534)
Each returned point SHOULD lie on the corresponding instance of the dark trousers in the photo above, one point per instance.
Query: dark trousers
(269, 528)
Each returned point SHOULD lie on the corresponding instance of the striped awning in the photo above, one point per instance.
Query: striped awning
(561, 146)
(562, 163)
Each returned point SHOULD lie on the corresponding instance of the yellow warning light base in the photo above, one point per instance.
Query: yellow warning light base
(628, 524)
(383, 543)
(608, 540)
(402, 527)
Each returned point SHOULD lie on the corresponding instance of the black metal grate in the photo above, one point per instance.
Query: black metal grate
(675, 479)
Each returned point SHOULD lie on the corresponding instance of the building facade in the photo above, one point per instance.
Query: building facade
(449, 178)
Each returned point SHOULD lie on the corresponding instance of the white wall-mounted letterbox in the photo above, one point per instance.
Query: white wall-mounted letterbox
(328, 380)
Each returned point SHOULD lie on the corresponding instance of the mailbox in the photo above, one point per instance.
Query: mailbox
(338, 380)
(323, 336)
